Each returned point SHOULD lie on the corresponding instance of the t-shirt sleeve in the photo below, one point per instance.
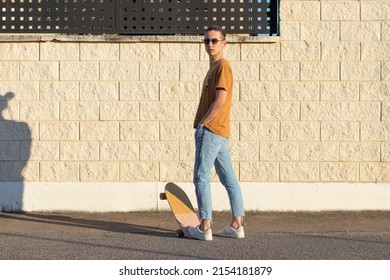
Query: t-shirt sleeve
(224, 77)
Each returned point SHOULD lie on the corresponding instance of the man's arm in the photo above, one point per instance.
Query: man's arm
(215, 107)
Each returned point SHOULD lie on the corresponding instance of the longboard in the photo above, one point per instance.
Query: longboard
(181, 207)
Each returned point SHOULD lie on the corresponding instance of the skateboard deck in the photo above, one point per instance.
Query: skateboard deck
(181, 207)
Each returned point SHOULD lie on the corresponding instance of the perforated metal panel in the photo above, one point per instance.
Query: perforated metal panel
(138, 16)
(58, 16)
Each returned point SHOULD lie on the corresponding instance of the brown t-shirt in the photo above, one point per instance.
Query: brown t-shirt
(219, 76)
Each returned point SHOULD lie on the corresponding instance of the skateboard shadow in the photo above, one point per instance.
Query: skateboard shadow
(97, 223)
(15, 146)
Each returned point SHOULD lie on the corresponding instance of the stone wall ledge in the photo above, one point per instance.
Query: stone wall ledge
(112, 38)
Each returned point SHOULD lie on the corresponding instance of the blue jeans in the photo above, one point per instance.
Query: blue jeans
(212, 149)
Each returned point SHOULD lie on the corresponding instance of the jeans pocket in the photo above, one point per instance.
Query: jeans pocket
(217, 140)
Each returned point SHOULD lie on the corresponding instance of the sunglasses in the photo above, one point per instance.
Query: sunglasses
(214, 41)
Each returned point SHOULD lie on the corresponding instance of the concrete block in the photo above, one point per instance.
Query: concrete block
(320, 111)
(320, 152)
(159, 71)
(170, 91)
(99, 51)
(360, 111)
(50, 131)
(21, 90)
(260, 52)
(375, 10)
(360, 71)
(300, 131)
(59, 91)
(95, 90)
(119, 111)
(140, 51)
(375, 172)
(273, 111)
(360, 31)
(320, 71)
(18, 131)
(259, 91)
(160, 151)
(339, 172)
(119, 71)
(178, 171)
(299, 10)
(300, 51)
(320, 31)
(99, 130)
(79, 71)
(39, 151)
(375, 91)
(299, 91)
(140, 171)
(99, 171)
(153, 111)
(256, 131)
(38, 71)
(340, 51)
(59, 171)
(374, 51)
(289, 30)
(119, 151)
(279, 151)
(59, 51)
(244, 151)
(339, 91)
(245, 71)
(188, 110)
(39, 111)
(385, 152)
(139, 91)
(171, 131)
(79, 111)
(139, 131)
(385, 71)
(299, 171)
(340, 10)
(9, 151)
(179, 52)
(340, 131)
(279, 71)
(245, 111)
(19, 51)
(187, 151)
(193, 71)
(259, 172)
(360, 151)
(375, 131)
(79, 151)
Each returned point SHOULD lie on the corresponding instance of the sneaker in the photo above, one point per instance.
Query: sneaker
(232, 232)
(196, 233)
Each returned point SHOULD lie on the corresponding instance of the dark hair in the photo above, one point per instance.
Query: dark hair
(219, 29)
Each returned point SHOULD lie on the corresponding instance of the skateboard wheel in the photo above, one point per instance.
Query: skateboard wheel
(179, 233)
(163, 196)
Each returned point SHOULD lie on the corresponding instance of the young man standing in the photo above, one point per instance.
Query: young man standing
(212, 124)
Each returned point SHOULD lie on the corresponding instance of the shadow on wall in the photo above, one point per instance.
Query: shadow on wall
(15, 146)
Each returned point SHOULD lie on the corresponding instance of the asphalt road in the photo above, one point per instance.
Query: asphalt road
(150, 236)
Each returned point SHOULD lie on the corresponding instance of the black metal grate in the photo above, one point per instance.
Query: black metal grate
(138, 16)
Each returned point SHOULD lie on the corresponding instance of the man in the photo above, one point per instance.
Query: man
(212, 123)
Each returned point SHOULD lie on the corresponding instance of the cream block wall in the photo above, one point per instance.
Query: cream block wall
(312, 106)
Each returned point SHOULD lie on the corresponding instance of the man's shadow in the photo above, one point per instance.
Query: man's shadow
(15, 148)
